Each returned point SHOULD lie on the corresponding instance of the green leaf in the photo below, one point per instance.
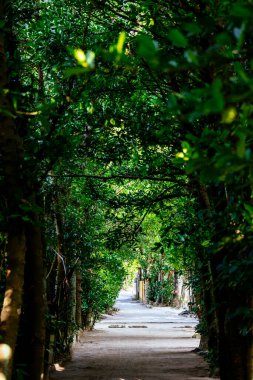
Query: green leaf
(216, 103)
(249, 208)
(240, 10)
(172, 101)
(241, 72)
(120, 43)
(191, 56)
(241, 145)
(192, 28)
(177, 38)
(205, 243)
(146, 46)
(229, 115)
(86, 60)
(74, 71)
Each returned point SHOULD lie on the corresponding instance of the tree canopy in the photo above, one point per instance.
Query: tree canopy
(126, 137)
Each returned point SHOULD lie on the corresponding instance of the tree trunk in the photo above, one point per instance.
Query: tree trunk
(79, 299)
(209, 339)
(61, 264)
(235, 348)
(72, 305)
(62, 289)
(209, 313)
(89, 318)
(11, 310)
(231, 301)
(34, 303)
(176, 297)
(11, 153)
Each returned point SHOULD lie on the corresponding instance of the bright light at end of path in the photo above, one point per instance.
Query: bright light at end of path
(58, 368)
(2, 376)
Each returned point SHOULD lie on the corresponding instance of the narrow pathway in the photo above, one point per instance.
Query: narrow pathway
(138, 343)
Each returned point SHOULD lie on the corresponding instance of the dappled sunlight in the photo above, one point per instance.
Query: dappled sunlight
(58, 367)
(133, 352)
(5, 352)
(5, 356)
(126, 163)
(8, 298)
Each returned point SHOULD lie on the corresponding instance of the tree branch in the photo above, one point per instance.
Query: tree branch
(115, 176)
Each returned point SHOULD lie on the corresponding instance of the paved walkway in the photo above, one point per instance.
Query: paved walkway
(138, 343)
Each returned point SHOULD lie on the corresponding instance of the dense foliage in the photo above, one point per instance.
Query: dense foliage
(126, 133)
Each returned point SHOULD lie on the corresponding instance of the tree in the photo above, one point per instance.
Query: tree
(103, 94)
(12, 159)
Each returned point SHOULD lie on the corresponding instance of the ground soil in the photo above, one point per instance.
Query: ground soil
(137, 343)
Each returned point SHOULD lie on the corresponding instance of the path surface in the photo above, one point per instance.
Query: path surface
(138, 343)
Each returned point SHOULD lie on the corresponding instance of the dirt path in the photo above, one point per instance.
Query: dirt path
(138, 343)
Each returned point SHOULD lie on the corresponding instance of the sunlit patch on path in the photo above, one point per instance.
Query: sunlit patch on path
(138, 343)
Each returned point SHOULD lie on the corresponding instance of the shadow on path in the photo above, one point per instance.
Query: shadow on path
(138, 343)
